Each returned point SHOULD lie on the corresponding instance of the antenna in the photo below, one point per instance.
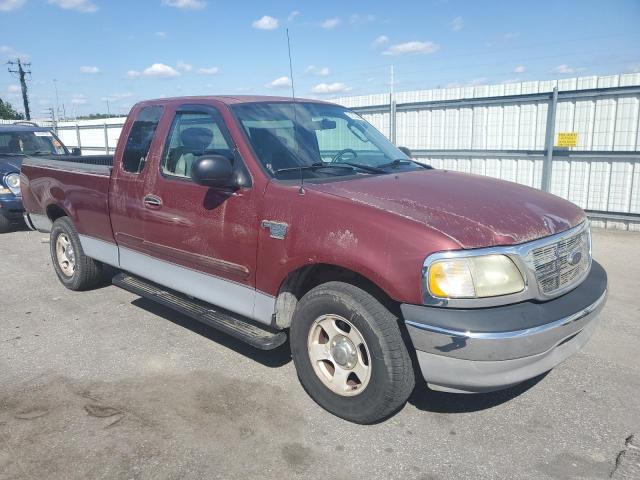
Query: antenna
(301, 190)
(293, 90)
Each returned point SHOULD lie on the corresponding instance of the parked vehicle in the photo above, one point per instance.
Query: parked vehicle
(17, 141)
(262, 216)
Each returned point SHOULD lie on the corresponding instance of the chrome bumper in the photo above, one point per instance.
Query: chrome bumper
(488, 355)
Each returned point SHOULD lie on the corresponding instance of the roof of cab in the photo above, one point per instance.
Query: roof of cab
(228, 99)
(22, 127)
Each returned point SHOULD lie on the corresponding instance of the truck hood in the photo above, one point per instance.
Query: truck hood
(10, 164)
(475, 211)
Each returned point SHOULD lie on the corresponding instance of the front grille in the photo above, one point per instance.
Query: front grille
(562, 264)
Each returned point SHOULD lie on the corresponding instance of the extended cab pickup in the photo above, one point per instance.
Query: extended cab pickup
(261, 216)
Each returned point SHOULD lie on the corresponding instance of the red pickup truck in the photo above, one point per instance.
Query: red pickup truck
(269, 218)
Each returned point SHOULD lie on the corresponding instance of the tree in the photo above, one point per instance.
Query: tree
(7, 112)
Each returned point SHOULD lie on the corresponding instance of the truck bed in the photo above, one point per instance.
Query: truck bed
(77, 186)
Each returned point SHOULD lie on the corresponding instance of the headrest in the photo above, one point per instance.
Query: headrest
(196, 139)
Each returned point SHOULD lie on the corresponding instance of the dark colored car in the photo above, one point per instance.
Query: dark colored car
(16, 142)
(268, 219)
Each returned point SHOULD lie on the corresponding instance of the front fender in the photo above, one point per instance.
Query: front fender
(386, 249)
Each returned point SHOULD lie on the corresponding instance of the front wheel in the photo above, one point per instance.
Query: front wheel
(349, 353)
(75, 270)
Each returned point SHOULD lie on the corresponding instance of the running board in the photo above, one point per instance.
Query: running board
(238, 327)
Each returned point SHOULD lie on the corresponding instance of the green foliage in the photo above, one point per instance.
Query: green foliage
(7, 112)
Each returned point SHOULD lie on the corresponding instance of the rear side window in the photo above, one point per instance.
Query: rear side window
(140, 137)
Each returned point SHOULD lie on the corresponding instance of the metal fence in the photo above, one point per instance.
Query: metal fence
(512, 135)
(506, 131)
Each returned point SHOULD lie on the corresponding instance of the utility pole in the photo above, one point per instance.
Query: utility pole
(392, 108)
(21, 72)
(55, 86)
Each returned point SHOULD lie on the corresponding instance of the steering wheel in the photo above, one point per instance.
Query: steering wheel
(338, 156)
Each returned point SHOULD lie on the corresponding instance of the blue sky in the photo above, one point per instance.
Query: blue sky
(126, 51)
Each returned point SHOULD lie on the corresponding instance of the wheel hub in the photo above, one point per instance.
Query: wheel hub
(343, 352)
(339, 355)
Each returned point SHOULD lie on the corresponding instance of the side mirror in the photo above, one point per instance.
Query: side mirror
(213, 171)
(406, 151)
(76, 151)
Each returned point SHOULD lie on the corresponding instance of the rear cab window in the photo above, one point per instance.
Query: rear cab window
(140, 137)
(192, 135)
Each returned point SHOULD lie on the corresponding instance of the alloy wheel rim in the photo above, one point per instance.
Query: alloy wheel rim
(339, 355)
(65, 255)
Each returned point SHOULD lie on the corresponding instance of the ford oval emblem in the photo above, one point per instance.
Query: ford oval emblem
(574, 258)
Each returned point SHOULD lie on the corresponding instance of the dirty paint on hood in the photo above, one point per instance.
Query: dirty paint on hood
(475, 211)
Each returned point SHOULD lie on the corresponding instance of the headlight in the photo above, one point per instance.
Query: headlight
(473, 277)
(12, 181)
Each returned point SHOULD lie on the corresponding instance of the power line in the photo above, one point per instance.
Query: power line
(22, 73)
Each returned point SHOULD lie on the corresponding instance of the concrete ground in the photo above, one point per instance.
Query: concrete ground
(103, 384)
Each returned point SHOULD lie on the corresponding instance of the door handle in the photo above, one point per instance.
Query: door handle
(152, 201)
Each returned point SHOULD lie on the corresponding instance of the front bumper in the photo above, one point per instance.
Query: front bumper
(11, 207)
(479, 350)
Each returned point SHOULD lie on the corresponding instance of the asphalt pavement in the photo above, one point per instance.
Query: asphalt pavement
(103, 384)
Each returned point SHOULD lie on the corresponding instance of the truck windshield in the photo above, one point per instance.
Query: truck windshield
(321, 139)
(30, 143)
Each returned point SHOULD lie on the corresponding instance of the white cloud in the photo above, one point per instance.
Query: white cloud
(115, 97)
(161, 34)
(185, 67)
(478, 81)
(157, 70)
(510, 36)
(280, 82)
(12, 54)
(457, 24)
(330, 23)
(208, 71)
(520, 69)
(79, 99)
(13, 89)
(381, 40)
(357, 19)
(89, 70)
(185, 4)
(320, 72)
(8, 5)
(292, 16)
(266, 23)
(564, 69)
(411, 48)
(329, 88)
(84, 6)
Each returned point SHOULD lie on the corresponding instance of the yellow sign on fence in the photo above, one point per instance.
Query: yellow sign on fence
(567, 139)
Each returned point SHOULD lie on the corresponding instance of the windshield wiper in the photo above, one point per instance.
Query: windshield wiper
(313, 166)
(403, 161)
(368, 168)
(40, 152)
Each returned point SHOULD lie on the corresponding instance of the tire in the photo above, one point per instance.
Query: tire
(388, 379)
(80, 272)
(5, 224)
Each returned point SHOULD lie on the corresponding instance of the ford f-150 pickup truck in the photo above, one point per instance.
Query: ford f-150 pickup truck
(272, 219)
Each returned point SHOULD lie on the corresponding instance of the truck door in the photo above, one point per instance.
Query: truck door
(203, 241)
(126, 196)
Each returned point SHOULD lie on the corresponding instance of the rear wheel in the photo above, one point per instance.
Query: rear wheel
(75, 270)
(349, 353)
